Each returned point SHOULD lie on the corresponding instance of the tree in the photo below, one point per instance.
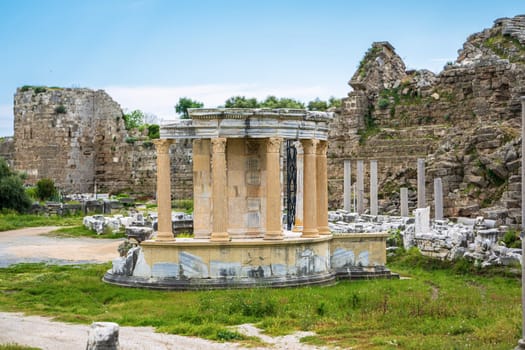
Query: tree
(241, 102)
(45, 189)
(134, 119)
(184, 104)
(12, 192)
(334, 102)
(317, 105)
(284, 102)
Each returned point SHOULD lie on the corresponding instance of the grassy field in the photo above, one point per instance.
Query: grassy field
(82, 231)
(13, 221)
(440, 307)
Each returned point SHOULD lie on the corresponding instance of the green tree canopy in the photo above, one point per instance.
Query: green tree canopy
(133, 119)
(184, 104)
(317, 105)
(12, 192)
(241, 102)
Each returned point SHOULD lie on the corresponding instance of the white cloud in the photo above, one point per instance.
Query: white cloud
(6, 120)
(161, 100)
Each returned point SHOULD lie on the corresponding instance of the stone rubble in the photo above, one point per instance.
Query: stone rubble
(477, 239)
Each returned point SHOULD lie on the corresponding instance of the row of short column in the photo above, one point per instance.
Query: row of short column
(314, 189)
(359, 189)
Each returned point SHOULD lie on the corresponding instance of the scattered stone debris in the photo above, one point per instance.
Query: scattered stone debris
(103, 336)
(478, 239)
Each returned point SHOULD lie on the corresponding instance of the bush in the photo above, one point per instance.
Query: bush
(61, 109)
(383, 103)
(45, 189)
(511, 239)
(12, 191)
(153, 131)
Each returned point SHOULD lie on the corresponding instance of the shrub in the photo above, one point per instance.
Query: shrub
(45, 189)
(39, 89)
(153, 131)
(383, 103)
(12, 192)
(511, 239)
(61, 109)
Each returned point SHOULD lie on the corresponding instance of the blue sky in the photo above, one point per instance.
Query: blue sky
(148, 53)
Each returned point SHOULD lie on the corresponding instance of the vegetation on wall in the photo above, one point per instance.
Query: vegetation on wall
(506, 47)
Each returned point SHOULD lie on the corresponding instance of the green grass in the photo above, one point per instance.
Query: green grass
(13, 221)
(441, 306)
(82, 231)
(12, 346)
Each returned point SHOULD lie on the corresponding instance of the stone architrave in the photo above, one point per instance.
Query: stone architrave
(273, 196)
(421, 200)
(360, 187)
(347, 185)
(373, 187)
(422, 220)
(164, 229)
(310, 189)
(298, 224)
(438, 199)
(322, 188)
(404, 201)
(219, 188)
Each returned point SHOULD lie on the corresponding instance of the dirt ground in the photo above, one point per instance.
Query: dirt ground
(30, 245)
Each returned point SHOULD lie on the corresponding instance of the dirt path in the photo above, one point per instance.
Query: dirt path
(29, 245)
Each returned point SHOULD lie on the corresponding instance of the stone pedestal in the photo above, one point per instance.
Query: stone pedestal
(347, 185)
(322, 189)
(165, 230)
(310, 189)
(273, 192)
(373, 187)
(219, 194)
(422, 220)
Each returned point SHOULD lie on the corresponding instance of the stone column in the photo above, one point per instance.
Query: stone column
(298, 225)
(310, 190)
(322, 189)
(438, 199)
(164, 228)
(219, 191)
(347, 185)
(521, 342)
(404, 201)
(421, 201)
(202, 189)
(273, 190)
(373, 187)
(360, 187)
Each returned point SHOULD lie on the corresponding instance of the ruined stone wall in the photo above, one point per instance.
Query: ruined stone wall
(77, 137)
(7, 149)
(464, 121)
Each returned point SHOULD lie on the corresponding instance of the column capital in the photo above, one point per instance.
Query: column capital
(273, 144)
(218, 144)
(162, 145)
(321, 148)
(309, 145)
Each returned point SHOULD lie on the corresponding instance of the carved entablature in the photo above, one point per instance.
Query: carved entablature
(209, 123)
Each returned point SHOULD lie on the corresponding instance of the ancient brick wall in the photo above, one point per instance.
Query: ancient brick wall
(7, 149)
(77, 138)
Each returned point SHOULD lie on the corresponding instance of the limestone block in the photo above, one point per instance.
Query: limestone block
(103, 336)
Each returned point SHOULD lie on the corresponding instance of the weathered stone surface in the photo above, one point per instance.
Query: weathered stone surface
(465, 122)
(103, 336)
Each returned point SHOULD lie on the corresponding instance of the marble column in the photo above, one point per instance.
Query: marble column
(164, 228)
(202, 189)
(421, 200)
(322, 188)
(360, 187)
(404, 201)
(273, 190)
(219, 191)
(373, 187)
(298, 224)
(438, 199)
(310, 189)
(347, 185)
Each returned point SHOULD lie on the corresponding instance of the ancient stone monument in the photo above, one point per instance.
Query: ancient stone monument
(239, 238)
